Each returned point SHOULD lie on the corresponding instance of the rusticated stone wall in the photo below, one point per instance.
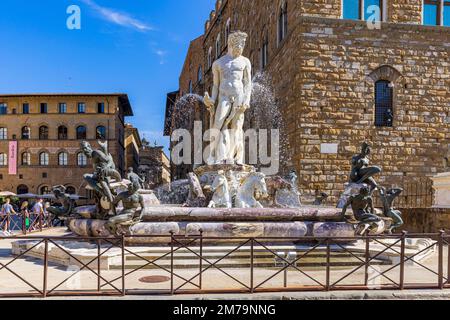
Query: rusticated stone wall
(324, 74)
(426, 220)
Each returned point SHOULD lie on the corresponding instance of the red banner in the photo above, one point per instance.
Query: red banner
(12, 158)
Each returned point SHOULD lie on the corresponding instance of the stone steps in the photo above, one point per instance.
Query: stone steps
(241, 258)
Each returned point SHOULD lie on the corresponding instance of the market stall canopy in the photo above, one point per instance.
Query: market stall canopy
(7, 194)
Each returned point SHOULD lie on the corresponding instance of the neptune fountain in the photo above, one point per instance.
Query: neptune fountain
(226, 198)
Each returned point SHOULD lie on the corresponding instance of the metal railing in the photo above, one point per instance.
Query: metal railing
(416, 194)
(18, 222)
(248, 279)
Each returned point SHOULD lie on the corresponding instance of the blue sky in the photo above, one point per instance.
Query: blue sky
(132, 46)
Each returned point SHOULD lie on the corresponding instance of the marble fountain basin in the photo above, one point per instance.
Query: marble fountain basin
(276, 223)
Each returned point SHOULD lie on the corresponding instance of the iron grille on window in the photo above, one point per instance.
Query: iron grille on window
(384, 114)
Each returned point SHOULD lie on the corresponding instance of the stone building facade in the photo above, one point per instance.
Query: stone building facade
(154, 165)
(133, 145)
(340, 81)
(48, 129)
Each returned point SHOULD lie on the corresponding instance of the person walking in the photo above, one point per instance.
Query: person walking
(7, 210)
(38, 210)
(25, 215)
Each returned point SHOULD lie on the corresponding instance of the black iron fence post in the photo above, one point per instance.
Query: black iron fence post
(44, 290)
(122, 239)
(402, 260)
(328, 275)
(367, 265)
(441, 259)
(99, 284)
(201, 260)
(171, 263)
(252, 265)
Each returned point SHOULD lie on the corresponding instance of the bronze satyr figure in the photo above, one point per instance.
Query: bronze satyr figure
(361, 171)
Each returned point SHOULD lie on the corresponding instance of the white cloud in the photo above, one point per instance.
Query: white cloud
(162, 55)
(119, 18)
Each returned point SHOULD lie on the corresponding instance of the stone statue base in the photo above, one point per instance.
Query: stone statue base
(441, 183)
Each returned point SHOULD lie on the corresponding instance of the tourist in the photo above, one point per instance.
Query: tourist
(25, 214)
(7, 210)
(38, 208)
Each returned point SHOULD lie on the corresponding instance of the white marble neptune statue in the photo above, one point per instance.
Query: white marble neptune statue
(230, 99)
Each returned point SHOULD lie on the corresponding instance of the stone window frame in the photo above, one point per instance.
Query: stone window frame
(79, 126)
(440, 11)
(218, 46)
(22, 187)
(3, 108)
(386, 73)
(264, 54)
(200, 74)
(99, 137)
(25, 158)
(282, 22)
(3, 133)
(62, 107)
(82, 160)
(209, 58)
(41, 187)
(25, 133)
(3, 159)
(63, 158)
(362, 14)
(68, 189)
(61, 134)
(44, 162)
(81, 108)
(44, 135)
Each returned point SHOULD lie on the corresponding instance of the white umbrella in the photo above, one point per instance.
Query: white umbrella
(7, 194)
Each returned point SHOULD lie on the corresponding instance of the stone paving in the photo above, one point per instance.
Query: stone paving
(213, 279)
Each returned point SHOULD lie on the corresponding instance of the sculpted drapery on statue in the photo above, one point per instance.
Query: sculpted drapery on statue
(230, 99)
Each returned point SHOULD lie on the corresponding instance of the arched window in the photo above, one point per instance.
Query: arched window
(3, 159)
(282, 22)
(62, 133)
(199, 74)
(81, 133)
(384, 109)
(82, 160)
(3, 134)
(26, 159)
(44, 190)
(43, 159)
(218, 47)
(101, 133)
(210, 58)
(71, 190)
(26, 133)
(63, 159)
(22, 189)
(43, 133)
(190, 86)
